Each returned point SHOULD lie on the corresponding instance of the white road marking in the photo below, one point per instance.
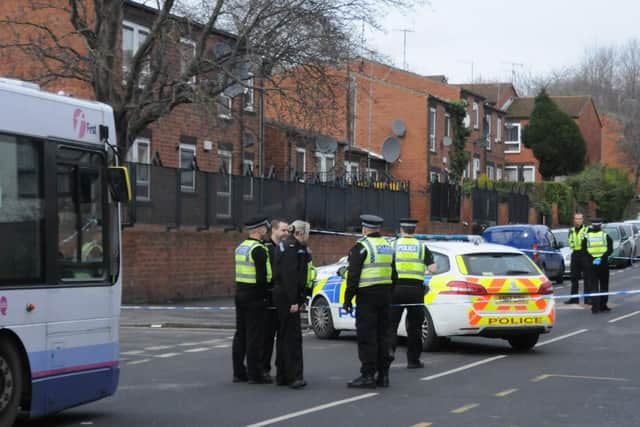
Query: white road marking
(310, 410)
(217, 340)
(624, 317)
(166, 355)
(507, 392)
(464, 367)
(197, 350)
(158, 347)
(156, 326)
(569, 307)
(188, 344)
(132, 352)
(464, 408)
(137, 362)
(561, 337)
(582, 377)
(223, 346)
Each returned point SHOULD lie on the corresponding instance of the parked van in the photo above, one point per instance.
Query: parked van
(537, 241)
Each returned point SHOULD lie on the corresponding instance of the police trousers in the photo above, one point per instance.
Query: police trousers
(249, 337)
(408, 294)
(578, 270)
(271, 326)
(373, 316)
(289, 366)
(599, 282)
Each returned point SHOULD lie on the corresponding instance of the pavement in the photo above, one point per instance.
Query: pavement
(584, 373)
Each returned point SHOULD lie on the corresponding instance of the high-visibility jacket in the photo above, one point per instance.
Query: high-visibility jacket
(245, 266)
(376, 269)
(312, 273)
(576, 237)
(596, 243)
(409, 258)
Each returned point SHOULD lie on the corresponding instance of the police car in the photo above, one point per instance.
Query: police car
(479, 289)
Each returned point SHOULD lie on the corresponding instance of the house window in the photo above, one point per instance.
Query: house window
(133, 35)
(498, 173)
(301, 167)
(487, 117)
(248, 96)
(140, 154)
(529, 173)
(352, 171)
(511, 173)
(476, 168)
(325, 166)
(512, 142)
(187, 54)
(372, 174)
(432, 130)
(247, 179)
(223, 207)
(476, 115)
(225, 104)
(434, 176)
(499, 130)
(490, 172)
(187, 169)
(467, 171)
(447, 126)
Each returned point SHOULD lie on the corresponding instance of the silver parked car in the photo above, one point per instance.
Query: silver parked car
(562, 237)
(622, 245)
(330, 269)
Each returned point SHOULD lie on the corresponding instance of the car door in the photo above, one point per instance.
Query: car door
(556, 261)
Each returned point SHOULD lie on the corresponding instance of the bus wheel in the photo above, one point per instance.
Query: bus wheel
(10, 383)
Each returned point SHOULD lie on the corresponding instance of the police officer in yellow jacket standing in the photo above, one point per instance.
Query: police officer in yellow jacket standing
(253, 273)
(411, 260)
(369, 279)
(578, 256)
(599, 247)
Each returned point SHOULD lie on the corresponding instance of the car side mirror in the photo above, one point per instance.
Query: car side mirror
(342, 271)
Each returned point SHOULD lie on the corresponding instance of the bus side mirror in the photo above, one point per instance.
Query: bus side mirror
(119, 183)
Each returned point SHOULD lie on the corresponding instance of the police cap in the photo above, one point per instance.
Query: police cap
(371, 221)
(257, 221)
(407, 222)
(597, 221)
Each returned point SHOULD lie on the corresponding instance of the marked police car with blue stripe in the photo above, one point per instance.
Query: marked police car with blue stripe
(479, 289)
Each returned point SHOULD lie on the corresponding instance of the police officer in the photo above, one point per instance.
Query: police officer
(279, 232)
(411, 260)
(292, 260)
(369, 279)
(578, 256)
(599, 247)
(253, 273)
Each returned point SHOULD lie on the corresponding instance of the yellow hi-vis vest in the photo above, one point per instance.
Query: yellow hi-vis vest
(376, 269)
(575, 238)
(596, 243)
(312, 273)
(409, 258)
(245, 266)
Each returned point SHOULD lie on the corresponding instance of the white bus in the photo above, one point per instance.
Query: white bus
(60, 261)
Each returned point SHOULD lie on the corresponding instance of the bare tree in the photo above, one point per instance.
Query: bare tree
(273, 40)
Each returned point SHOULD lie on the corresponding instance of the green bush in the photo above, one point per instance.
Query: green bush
(609, 187)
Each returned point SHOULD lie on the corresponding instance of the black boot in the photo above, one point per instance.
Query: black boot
(383, 379)
(363, 381)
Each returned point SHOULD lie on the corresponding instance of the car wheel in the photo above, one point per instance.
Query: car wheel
(321, 319)
(430, 340)
(523, 342)
(10, 383)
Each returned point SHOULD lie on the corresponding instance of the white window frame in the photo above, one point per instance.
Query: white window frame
(498, 129)
(324, 170)
(517, 143)
(250, 92)
(304, 161)
(222, 100)
(532, 168)
(433, 117)
(490, 172)
(488, 117)
(349, 173)
(248, 162)
(476, 168)
(510, 168)
(434, 176)
(225, 194)
(137, 29)
(476, 115)
(133, 157)
(183, 65)
(498, 174)
(191, 148)
(467, 170)
(372, 174)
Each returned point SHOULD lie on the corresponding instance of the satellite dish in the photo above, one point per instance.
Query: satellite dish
(391, 149)
(399, 128)
(326, 144)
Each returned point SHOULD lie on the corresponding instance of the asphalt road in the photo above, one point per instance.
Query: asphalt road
(585, 373)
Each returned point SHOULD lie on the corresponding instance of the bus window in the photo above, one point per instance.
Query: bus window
(21, 211)
(80, 216)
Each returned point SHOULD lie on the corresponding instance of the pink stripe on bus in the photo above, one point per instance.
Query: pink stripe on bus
(77, 368)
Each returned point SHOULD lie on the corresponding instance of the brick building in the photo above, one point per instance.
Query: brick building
(612, 152)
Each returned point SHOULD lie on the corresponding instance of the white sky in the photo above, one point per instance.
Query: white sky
(542, 35)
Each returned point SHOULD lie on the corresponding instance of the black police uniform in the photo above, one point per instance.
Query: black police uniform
(598, 275)
(373, 316)
(271, 317)
(409, 291)
(290, 283)
(251, 304)
(578, 268)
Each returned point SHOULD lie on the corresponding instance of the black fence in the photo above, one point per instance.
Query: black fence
(485, 205)
(445, 202)
(175, 197)
(518, 208)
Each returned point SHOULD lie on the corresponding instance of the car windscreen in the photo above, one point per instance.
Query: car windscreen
(612, 232)
(517, 237)
(499, 264)
(562, 237)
